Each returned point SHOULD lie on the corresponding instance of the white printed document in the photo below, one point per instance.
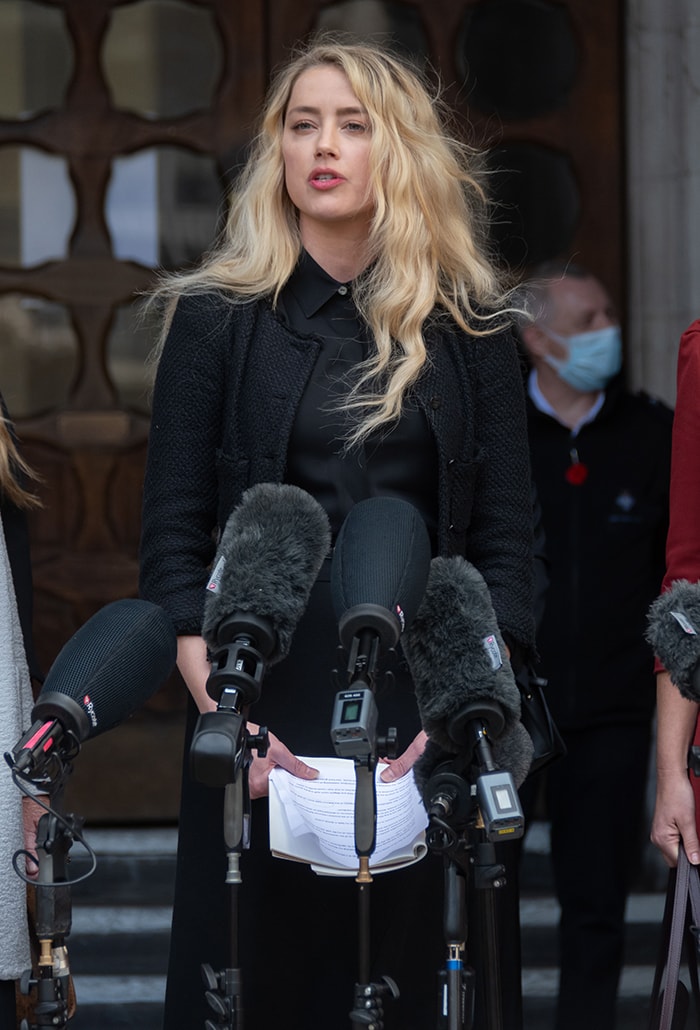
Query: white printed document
(313, 821)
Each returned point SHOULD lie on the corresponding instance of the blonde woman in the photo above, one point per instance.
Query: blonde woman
(18, 816)
(348, 335)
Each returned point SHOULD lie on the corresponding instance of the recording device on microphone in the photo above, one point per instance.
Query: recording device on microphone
(467, 695)
(441, 775)
(379, 571)
(106, 671)
(270, 553)
(674, 633)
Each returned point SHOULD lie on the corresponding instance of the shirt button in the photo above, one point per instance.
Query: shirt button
(342, 290)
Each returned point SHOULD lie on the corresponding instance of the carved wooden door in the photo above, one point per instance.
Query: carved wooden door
(120, 123)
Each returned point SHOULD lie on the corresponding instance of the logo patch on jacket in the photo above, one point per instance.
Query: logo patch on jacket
(625, 501)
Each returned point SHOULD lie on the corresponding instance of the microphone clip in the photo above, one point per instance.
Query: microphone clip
(43, 755)
(221, 745)
(240, 665)
(449, 801)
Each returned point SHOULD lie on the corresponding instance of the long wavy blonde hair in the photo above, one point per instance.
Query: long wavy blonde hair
(427, 238)
(12, 464)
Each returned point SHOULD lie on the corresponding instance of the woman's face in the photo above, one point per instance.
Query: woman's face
(325, 147)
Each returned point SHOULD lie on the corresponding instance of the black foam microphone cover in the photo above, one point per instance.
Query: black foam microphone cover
(109, 668)
(673, 631)
(457, 656)
(380, 567)
(269, 556)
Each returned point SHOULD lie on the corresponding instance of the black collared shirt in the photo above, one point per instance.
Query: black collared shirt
(398, 462)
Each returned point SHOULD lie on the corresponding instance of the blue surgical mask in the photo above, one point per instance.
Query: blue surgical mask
(592, 358)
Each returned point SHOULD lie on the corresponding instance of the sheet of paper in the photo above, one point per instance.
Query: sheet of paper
(318, 816)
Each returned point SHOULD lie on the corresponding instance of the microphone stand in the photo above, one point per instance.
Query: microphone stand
(34, 770)
(53, 923)
(354, 735)
(220, 756)
(469, 809)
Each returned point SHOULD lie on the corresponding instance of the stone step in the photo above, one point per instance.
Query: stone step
(118, 944)
(134, 867)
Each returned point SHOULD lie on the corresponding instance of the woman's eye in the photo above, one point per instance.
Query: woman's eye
(356, 127)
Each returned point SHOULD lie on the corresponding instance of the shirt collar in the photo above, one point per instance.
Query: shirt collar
(312, 286)
(543, 405)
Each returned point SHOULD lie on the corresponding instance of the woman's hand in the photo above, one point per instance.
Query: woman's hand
(674, 819)
(398, 767)
(31, 814)
(674, 815)
(278, 756)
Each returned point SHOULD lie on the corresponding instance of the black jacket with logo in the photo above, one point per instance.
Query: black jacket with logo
(605, 523)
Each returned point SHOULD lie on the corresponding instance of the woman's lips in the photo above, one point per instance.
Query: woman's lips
(325, 180)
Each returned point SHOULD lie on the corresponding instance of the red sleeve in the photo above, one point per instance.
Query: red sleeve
(683, 541)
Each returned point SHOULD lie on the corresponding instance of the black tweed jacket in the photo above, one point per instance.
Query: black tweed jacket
(227, 389)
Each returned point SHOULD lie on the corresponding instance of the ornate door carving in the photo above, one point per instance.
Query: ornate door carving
(122, 160)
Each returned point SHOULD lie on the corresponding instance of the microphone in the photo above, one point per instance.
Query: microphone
(269, 556)
(106, 671)
(673, 630)
(379, 571)
(271, 551)
(457, 655)
(467, 695)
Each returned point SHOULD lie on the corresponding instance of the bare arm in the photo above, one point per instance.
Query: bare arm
(674, 813)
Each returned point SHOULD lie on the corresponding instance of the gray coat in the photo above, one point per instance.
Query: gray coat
(16, 703)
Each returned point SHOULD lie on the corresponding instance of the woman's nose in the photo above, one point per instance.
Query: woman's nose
(327, 142)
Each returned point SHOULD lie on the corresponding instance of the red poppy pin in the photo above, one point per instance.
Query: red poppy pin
(576, 473)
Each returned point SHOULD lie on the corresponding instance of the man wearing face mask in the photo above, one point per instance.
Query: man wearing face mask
(601, 463)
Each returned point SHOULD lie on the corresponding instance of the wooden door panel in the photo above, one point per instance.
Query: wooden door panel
(90, 449)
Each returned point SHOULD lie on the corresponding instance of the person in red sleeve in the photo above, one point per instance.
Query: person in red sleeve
(675, 814)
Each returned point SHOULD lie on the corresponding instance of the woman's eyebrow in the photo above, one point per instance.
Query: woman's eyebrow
(304, 109)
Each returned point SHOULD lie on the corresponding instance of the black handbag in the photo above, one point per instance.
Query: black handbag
(537, 720)
(680, 933)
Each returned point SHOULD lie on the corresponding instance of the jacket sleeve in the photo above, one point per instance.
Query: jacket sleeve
(500, 540)
(179, 518)
(683, 541)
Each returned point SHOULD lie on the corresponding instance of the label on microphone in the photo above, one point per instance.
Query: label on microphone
(89, 707)
(490, 645)
(214, 584)
(685, 623)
